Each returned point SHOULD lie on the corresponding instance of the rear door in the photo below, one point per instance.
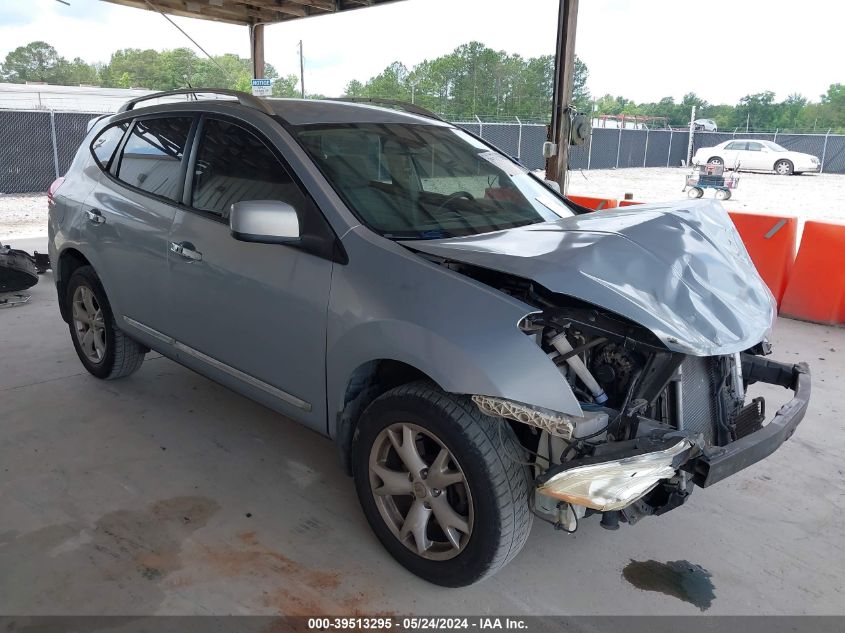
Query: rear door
(129, 214)
(253, 315)
(734, 154)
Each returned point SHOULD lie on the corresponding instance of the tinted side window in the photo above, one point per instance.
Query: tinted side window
(152, 157)
(737, 145)
(104, 145)
(233, 165)
(755, 147)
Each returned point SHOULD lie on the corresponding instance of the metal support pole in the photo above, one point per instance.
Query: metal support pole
(669, 153)
(645, 153)
(691, 135)
(590, 150)
(55, 143)
(519, 140)
(824, 151)
(256, 32)
(619, 142)
(776, 135)
(567, 20)
(301, 70)
(480, 126)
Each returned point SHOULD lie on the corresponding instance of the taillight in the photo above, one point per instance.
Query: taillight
(51, 192)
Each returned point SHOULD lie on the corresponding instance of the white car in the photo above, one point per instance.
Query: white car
(753, 155)
(706, 125)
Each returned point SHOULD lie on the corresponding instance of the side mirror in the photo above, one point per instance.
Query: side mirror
(264, 221)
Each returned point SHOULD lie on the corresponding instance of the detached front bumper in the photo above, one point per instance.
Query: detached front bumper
(627, 471)
(718, 462)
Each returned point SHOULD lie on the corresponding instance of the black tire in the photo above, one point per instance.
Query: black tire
(715, 160)
(498, 485)
(784, 167)
(723, 194)
(122, 356)
(695, 192)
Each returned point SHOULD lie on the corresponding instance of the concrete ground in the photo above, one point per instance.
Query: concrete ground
(166, 493)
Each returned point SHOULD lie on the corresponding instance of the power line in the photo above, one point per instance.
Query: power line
(193, 41)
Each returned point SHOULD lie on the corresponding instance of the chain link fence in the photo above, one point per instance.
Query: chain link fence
(37, 146)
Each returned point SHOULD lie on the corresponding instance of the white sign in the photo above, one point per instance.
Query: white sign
(262, 87)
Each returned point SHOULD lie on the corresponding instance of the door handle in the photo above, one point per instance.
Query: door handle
(95, 216)
(186, 250)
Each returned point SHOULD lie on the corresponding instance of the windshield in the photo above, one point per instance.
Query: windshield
(427, 182)
(774, 146)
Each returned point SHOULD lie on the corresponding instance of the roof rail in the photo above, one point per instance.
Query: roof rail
(411, 108)
(244, 98)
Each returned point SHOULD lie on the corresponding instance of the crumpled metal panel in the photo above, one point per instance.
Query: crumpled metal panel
(679, 269)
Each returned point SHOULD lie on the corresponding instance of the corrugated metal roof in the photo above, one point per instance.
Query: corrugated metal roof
(250, 11)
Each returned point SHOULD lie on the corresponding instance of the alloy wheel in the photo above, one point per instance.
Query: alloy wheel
(88, 324)
(421, 491)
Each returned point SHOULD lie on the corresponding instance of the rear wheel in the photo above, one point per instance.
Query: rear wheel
(441, 484)
(104, 350)
(783, 167)
(695, 192)
(723, 194)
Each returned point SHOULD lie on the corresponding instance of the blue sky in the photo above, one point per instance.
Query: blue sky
(721, 49)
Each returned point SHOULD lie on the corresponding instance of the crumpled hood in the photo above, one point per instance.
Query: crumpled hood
(679, 269)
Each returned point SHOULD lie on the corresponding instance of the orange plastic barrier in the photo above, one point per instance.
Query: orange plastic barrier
(771, 242)
(593, 203)
(628, 203)
(816, 289)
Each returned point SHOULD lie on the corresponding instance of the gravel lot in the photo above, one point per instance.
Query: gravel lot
(22, 215)
(810, 196)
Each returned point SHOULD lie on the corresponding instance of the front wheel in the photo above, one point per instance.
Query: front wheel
(695, 192)
(441, 484)
(715, 160)
(723, 194)
(105, 351)
(783, 167)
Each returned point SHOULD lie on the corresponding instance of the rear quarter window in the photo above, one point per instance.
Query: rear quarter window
(106, 143)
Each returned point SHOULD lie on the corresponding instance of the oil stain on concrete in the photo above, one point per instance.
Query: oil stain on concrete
(119, 555)
(679, 578)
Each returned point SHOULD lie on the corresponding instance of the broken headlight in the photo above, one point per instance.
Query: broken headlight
(614, 484)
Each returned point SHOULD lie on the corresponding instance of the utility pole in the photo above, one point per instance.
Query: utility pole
(301, 71)
(747, 121)
(564, 72)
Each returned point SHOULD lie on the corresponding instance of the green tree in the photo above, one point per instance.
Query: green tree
(37, 61)
(287, 86)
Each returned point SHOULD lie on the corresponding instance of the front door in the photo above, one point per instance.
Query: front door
(756, 156)
(256, 312)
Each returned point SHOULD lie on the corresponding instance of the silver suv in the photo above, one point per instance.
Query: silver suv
(481, 350)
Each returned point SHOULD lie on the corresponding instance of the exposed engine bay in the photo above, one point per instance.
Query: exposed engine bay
(648, 412)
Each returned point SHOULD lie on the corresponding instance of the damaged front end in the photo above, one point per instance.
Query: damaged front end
(655, 422)
(657, 321)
